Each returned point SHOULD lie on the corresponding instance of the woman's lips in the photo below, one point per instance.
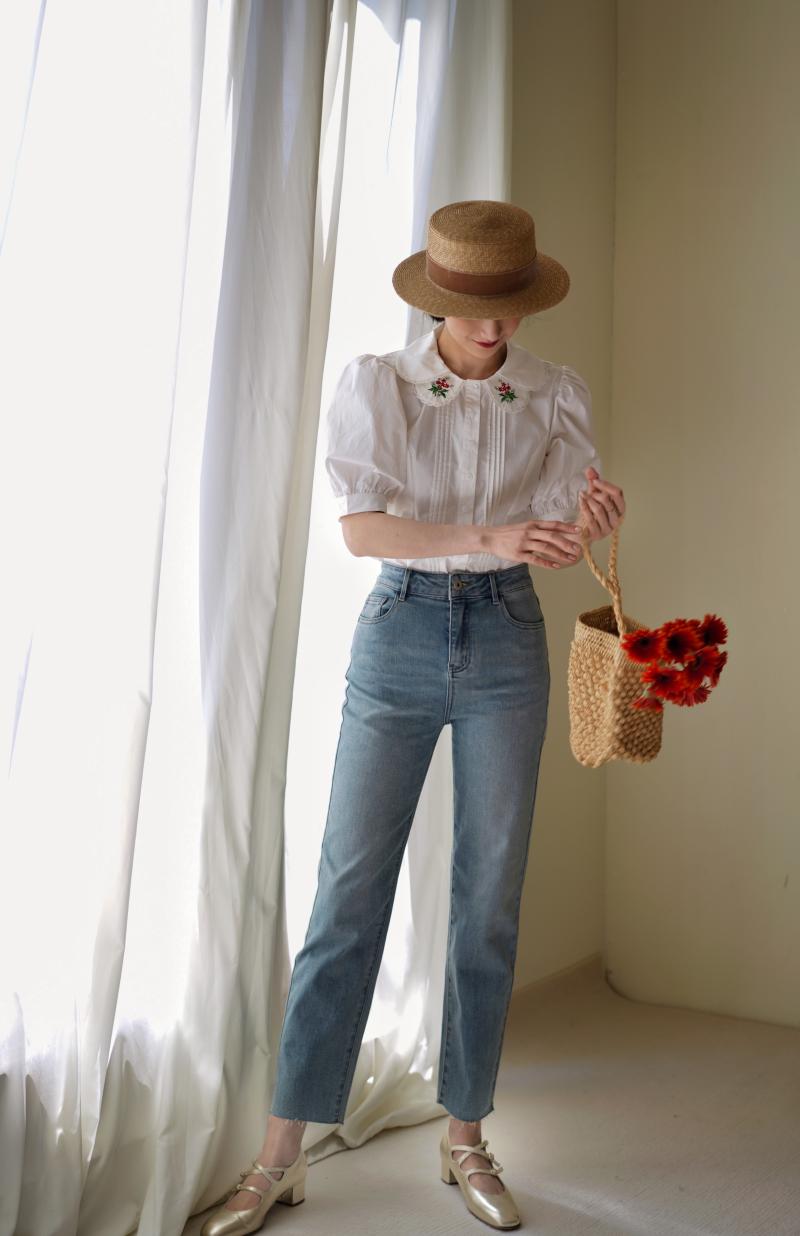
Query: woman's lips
(487, 345)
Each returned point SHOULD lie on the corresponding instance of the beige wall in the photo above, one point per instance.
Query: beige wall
(562, 170)
(689, 866)
(703, 850)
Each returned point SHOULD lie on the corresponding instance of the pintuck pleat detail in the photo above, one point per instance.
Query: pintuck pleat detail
(443, 451)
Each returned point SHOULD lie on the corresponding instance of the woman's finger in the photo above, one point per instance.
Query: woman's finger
(557, 547)
(595, 510)
(559, 550)
(587, 509)
(538, 560)
(613, 491)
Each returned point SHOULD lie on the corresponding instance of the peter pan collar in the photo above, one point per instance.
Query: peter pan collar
(521, 373)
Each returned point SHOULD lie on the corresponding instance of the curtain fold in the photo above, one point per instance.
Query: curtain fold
(175, 301)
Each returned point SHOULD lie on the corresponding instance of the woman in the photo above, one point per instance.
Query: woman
(459, 461)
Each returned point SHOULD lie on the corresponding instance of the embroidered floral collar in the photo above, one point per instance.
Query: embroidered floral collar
(511, 385)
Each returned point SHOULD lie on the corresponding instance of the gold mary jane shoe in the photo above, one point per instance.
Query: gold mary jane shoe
(288, 1188)
(497, 1209)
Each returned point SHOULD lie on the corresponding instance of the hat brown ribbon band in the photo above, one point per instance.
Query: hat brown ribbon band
(480, 285)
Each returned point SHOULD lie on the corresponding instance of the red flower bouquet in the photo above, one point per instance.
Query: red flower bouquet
(683, 660)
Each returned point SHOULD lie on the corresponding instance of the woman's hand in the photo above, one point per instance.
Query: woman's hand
(601, 506)
(542, 542)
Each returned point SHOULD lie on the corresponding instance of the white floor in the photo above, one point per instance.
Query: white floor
(611, 1117)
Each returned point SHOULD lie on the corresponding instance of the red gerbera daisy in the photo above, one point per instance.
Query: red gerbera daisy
(700, 666)
(643, 645)
(713, 630)
(676, 690)
(660, 680)
(715, 670)
(648, 703)
(681, 639)
(693, 695)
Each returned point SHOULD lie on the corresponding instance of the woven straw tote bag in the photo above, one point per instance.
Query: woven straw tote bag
(602, 680)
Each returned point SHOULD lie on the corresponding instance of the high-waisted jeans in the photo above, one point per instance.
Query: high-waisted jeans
(429, 649)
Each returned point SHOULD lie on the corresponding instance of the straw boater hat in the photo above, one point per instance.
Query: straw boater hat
(481, 261)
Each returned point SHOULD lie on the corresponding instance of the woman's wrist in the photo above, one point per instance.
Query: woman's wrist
(377, 534)
(482, 535)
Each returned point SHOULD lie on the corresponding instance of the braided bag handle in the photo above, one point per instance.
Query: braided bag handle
(611, 581)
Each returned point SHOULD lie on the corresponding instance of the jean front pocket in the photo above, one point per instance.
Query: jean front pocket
(379, 604)
(520, 607)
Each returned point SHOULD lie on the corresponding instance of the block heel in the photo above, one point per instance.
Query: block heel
(297, 1193)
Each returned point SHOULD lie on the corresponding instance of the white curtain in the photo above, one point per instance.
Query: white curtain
(174, 180)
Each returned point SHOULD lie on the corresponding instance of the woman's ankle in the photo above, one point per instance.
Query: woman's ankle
(284, 1132)
(467, 1132)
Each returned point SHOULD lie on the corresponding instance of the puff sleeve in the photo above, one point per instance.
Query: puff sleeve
(366, 437)
(570, 449)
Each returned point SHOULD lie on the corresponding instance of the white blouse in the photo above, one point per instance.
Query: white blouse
(407, 436)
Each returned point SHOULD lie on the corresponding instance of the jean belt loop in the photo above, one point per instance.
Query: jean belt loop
(404, 585)
(493, 582)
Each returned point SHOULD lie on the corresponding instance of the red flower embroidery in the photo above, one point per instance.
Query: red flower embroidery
(506, 392)
(440, 386)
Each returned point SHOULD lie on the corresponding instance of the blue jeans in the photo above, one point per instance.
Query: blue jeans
(430, 648)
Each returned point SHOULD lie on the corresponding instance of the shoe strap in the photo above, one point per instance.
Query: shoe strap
(249, 1188)
(477, 1149)
(266, 1172)
(257, 1169)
